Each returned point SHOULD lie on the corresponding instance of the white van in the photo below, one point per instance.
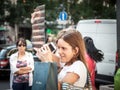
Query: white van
(104, 34)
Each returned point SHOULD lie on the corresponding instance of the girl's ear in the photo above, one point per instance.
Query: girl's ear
(76, 50)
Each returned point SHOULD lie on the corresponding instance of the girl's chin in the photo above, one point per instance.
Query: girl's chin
(63, 61)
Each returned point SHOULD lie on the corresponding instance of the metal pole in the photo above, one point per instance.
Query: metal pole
(118, 24)
(16, 32)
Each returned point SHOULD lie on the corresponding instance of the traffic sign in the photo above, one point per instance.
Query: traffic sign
(63, 15)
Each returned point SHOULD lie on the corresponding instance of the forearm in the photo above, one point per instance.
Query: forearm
(59, 86)
(23, 70)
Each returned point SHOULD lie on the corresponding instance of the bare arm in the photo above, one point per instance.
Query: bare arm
(59, 86)
(23, 70)
(70, 78)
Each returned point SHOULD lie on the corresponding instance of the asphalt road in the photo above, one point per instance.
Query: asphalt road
(4, 83)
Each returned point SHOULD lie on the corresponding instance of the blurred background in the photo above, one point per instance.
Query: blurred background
(15, 15)
(15, 21)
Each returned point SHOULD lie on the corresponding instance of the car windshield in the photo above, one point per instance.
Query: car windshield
(3, 53)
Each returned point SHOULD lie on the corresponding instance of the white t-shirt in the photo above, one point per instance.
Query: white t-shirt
(77, 67)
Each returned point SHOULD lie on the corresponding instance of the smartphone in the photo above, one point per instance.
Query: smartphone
(52, 46)
(34, 51)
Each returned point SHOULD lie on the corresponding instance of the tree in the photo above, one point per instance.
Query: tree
(4, 9)
(90, 9)
(87, 9)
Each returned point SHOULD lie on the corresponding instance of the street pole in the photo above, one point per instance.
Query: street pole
(68, 8)
(69, 12)
(118, 24)
(16, 32)
(5, 24)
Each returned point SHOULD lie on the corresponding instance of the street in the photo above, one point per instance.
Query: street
(4, 83)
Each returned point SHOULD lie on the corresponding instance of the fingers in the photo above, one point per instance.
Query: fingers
(45, 49)
(44, 53)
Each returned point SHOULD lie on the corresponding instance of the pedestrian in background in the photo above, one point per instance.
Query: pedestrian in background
(21, 65)
(93, 55)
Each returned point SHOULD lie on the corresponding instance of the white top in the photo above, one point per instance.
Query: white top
(13, 68)
(77, 67)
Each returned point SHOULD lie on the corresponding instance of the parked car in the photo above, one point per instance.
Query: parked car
(104, 34)
(4, 59)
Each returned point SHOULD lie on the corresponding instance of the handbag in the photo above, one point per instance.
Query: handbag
(88, 85)
(45, 76)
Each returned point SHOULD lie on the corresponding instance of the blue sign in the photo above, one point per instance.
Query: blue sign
(63, 15)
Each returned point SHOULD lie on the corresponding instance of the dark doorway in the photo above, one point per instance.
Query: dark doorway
(25, 32)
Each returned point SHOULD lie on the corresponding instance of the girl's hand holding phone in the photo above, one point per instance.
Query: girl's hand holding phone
(44, 53)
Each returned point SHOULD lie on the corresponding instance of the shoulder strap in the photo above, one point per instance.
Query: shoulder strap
(88, 82)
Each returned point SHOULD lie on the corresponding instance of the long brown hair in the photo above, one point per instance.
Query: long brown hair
(74, 38)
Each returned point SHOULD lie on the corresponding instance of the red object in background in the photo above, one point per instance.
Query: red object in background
(3, 63)
(117, 56)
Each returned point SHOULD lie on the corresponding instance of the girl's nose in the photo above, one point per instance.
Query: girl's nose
(59, 51)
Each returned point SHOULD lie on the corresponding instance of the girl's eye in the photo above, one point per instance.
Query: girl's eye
(63, 48)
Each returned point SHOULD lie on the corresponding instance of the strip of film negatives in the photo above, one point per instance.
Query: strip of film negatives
(38, 26)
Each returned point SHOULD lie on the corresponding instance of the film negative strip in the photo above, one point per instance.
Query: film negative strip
(38, 26)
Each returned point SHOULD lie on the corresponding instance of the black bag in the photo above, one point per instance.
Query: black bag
(45, 76)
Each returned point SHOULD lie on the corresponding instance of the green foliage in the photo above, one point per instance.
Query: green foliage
(117, 80)
(4, 5)
(85, 10)
(90, 9)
